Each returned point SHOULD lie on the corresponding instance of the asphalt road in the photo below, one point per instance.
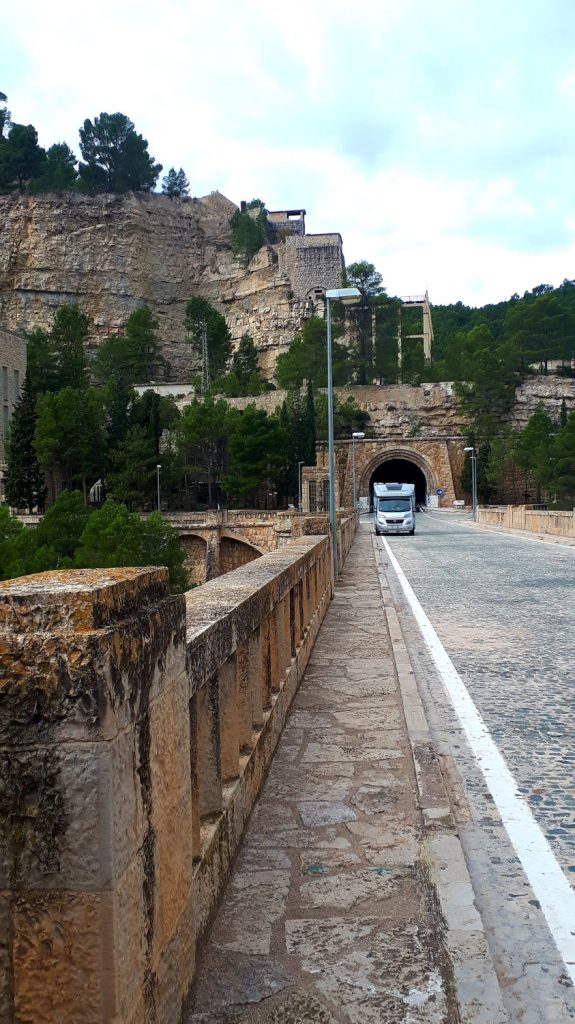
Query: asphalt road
(504, 609)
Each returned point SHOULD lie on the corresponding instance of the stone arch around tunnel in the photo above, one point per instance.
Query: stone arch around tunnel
(402, 465)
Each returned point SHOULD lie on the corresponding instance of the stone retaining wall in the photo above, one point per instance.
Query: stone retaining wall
(135, 732)
(520, 517)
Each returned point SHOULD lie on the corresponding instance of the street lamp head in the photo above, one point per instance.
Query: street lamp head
(346, 295)
(158, 466)
(358, 434)
(469, 449)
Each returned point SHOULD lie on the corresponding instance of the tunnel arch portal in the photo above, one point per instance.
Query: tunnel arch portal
(400, 466)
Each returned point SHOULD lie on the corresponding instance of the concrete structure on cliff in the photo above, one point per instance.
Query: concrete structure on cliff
(112, 253)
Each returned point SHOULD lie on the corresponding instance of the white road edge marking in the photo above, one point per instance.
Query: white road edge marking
(549, 884)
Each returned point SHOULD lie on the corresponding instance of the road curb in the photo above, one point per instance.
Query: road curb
(477, 990)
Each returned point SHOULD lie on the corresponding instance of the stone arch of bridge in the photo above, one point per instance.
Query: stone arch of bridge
(230, 535)
(234, 551)
(427, 482)
(196, 555)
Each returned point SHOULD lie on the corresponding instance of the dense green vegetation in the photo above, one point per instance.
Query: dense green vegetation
(81, 426)
(70, 536)
(487, 352)
(533, 329)
(115, 158)
(249, 230)
(538, 462)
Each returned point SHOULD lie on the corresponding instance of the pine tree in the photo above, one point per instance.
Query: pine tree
(68, 337)
(144, 345)
(116, 156)
(58, 173)
(219, 341)
(24, 479)
(175, 184)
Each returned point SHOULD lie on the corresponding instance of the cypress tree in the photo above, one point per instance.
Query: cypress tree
(25, 487)
(310, 431)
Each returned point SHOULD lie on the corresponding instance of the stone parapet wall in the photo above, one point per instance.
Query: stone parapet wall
(136, 729)
(94, 885)
(521, 517)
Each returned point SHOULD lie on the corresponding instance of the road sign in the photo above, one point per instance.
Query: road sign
(440, 492)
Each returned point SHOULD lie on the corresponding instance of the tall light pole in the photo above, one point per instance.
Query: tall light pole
(473, 481)
(299, 486)
(357, 435)
(348, 296)
(158, 468)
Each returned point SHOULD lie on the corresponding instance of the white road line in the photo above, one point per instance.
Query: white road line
(549, 884)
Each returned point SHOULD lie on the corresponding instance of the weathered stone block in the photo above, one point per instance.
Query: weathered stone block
(90, 673)
(57, 959)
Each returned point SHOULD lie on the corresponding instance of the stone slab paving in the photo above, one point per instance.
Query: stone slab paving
(345, 906)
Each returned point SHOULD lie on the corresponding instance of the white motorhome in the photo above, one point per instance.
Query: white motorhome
(394, 508)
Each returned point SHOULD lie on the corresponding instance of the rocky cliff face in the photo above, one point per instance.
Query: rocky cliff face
(113, 253)
(549, 392)
(402, 412)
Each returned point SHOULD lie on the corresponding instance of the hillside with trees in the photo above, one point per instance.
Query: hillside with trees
(79, 422)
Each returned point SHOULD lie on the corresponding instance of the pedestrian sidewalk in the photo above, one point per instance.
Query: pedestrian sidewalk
(350, 900)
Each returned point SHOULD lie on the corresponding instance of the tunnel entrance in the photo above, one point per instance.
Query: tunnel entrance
(401, 471)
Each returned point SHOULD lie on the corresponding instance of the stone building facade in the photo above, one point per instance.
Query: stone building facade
(12, 373)
(313, 263)
(282, 223)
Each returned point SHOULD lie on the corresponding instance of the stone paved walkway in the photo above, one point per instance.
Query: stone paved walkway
(333, 912)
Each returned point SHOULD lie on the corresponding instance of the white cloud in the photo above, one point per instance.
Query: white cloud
(434, 135)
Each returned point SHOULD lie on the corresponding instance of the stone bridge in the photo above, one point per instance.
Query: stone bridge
(217, 542)
(136, 729)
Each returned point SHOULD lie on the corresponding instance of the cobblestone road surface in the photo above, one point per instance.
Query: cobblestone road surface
(504, 608)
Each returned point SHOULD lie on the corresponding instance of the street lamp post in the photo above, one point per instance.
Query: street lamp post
(357, 435)
(471, 449)
(158, 468)
(348, 296)
(299, 484)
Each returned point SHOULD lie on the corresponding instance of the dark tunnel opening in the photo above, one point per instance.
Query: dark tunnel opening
(401, 471)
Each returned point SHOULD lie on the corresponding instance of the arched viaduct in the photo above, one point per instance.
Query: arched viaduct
(217, 542)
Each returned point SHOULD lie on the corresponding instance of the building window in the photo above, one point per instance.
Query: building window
(324, 495)
(312, 495)
(5, 422)
(4, 383)
(16, 385)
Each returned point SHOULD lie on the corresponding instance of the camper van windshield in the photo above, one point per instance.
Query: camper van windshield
(393, 505)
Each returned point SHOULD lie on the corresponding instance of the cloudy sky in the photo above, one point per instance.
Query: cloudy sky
(437, 136)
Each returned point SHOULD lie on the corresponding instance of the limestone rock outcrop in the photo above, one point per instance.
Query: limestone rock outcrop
(113, 253)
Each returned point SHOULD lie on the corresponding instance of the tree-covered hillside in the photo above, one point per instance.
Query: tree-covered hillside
(544, 318)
